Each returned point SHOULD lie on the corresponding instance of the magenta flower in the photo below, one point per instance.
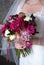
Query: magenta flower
(17, 24)
(22, 23)
(28, 44)
(12, 26)
(9, 18)
(18, 30)
(4, 28)
(31, 29)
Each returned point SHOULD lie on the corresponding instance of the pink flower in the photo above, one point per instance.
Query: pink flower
(4, 27)
(25, 36)
(19, 43)
(28, 44)
(21, 23)
(31, 29)
(17, 24)
(9, 18)
(12, 26)
(18, 30)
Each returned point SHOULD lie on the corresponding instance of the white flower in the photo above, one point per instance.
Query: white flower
(12, 37)
(6, 33)
(28, 18)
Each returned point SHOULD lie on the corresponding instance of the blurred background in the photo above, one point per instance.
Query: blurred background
(4, 8)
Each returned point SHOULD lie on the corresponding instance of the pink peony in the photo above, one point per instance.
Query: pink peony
(4, 27)
(19, 43)
(18, 30)
(21, 23)
(28, 44)
(12, 26)
(31, 29)
(17, 24)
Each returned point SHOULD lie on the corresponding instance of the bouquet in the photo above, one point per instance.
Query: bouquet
(20, 28)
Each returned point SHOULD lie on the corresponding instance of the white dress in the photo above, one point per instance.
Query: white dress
(36, 57)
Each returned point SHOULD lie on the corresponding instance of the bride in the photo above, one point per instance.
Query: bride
(36, 57)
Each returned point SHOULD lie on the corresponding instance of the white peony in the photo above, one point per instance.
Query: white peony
(6, 33)
(28, 18)
(12, 37)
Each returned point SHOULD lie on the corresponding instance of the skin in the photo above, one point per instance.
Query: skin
(32, 6)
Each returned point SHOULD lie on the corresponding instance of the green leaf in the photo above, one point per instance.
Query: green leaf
(18, 52)
(27, 50)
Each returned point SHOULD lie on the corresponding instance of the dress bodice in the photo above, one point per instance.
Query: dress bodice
(40, 22)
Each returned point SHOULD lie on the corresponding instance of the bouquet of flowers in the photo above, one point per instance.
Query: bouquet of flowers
(20, 28)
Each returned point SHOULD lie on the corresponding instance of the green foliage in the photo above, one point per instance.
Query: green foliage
(11, 32)
(24, 52)
(18, 52)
